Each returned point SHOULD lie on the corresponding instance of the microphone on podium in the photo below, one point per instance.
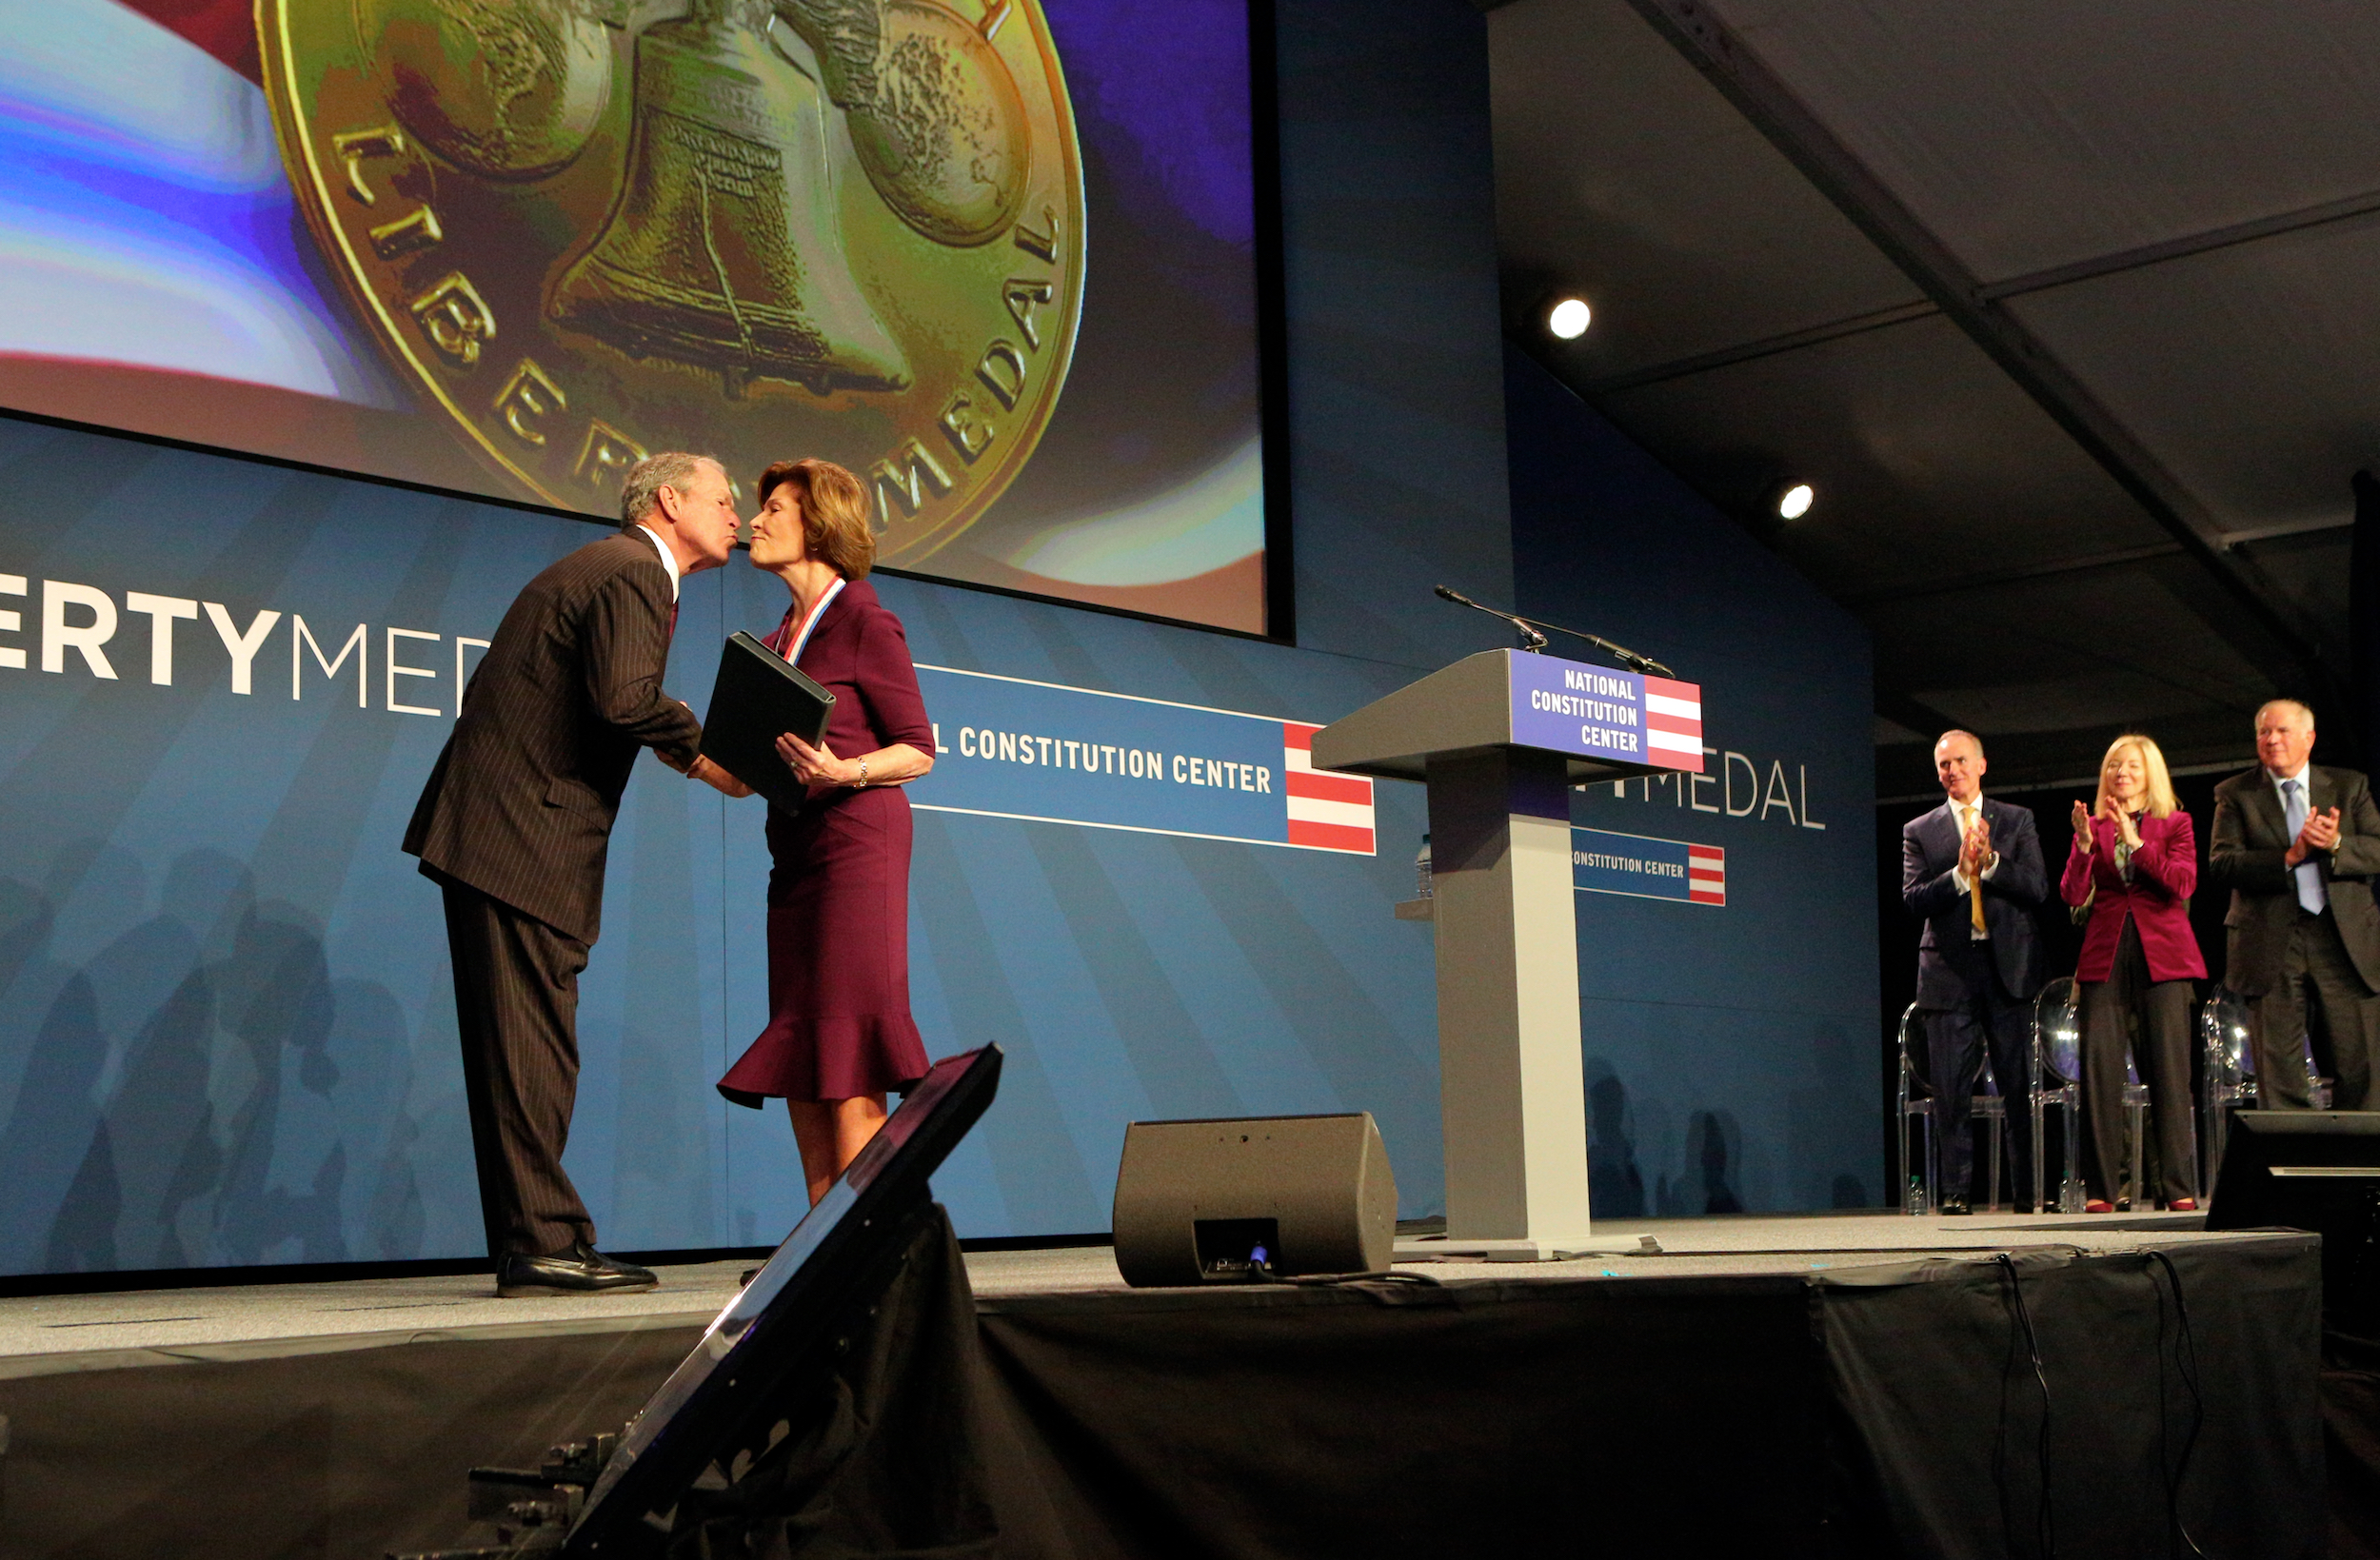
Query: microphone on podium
(1530, 639)
(1535, 641)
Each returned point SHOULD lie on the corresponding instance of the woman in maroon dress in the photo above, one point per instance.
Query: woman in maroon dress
(840, 1035)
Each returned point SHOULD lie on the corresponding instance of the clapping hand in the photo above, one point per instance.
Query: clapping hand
(1976, 849)
(2319, 832)
(2118, 814)
(2083, 837)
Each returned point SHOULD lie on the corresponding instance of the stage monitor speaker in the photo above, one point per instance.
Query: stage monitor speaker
(1202, 1202)
(764, 1350)
(2311, 1169)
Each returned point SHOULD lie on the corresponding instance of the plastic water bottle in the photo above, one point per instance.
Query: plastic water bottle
(1421, 869)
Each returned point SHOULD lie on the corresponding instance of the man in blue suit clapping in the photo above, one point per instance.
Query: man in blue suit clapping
(1972, 872)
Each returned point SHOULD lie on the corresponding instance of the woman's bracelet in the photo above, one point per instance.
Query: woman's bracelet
(863, 785)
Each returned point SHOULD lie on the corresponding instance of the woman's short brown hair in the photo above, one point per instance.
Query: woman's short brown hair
(835, 526)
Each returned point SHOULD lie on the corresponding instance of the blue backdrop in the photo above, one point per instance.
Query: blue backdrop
(225, 1028)
(227, 1035)
(1731, 1058)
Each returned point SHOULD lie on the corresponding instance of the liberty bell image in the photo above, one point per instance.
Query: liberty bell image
(722, 250)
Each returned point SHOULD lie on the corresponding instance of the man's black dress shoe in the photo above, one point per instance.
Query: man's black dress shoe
(1952, 1205)
(577, 1269)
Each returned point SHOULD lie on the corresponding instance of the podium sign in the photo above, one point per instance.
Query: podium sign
(1597, 712)
(1499, 738)
(1603, 723)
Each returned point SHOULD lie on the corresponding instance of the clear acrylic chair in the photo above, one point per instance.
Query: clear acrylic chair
(2227, 1063)
(1915, 1106)
(2135, 1133)
(1990, 1106)
(2057, 1085)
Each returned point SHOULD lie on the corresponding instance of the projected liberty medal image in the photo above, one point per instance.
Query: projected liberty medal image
(588, 230)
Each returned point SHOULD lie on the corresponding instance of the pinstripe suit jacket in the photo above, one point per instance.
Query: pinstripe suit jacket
(521, 804)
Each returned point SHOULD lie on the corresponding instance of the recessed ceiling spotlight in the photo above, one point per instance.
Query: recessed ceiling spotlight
(1569, 318)
(1795, 501)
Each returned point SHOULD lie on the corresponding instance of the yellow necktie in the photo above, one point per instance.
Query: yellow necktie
(1974, 884)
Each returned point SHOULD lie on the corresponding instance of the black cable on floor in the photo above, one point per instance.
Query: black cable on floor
(1999, 1438)
(1320, 1280)
(2045, 1517)
(2165, 1460)
(2186, 1361)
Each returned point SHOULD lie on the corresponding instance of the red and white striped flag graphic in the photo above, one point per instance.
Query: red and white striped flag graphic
(1673, 723)
(1706, 872)
(1326, 811)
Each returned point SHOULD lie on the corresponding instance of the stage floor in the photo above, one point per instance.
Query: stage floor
(1819, 1368)
(47, 1334)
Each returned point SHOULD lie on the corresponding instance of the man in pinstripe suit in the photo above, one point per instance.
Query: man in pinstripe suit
(513, 826)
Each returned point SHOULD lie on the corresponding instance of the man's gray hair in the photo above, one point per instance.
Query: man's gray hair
(2307, 714)
(640, 495)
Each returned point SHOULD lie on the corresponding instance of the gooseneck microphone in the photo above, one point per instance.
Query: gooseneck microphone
(1531, 640)
(1535, 640)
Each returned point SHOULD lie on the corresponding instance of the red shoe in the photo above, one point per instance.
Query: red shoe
(2182, 1205)
(2098, 1206)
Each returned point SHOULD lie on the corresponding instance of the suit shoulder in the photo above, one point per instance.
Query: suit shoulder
(2345, 780)
(634, 555)
(616, 560)
(2235, 785)
(619, 553)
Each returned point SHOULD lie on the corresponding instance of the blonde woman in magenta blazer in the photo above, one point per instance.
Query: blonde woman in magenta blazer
(2133, 863)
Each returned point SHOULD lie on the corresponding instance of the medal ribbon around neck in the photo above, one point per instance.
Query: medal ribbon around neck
(809, 625)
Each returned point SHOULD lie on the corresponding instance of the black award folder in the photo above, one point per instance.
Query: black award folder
(759, 694)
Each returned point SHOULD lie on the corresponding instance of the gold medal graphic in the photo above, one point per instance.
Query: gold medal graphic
(589, 230)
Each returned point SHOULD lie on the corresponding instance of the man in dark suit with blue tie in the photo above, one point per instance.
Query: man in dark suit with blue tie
(514, 825)
(2298, 845)
(1971, 871)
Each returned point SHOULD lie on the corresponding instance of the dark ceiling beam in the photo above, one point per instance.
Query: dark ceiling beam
(1988, 579)
(2113, 263)
(1768, 346)
(1764, 99)
(2288, 529)
(2180, 249)
(1918, 715)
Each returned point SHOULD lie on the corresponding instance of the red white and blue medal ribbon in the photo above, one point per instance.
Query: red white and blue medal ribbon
(809, 625)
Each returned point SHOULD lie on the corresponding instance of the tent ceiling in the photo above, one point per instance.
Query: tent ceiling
(2064, 310)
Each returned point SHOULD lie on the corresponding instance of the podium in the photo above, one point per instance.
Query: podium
(1499, 738)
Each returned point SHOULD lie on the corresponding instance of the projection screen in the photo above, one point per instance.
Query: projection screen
(1000, 257)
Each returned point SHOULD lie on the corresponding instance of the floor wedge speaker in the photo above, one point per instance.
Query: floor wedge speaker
(1201, 1202)
(2311, 1169)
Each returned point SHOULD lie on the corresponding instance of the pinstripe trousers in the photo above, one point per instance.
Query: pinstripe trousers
(516, 998)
